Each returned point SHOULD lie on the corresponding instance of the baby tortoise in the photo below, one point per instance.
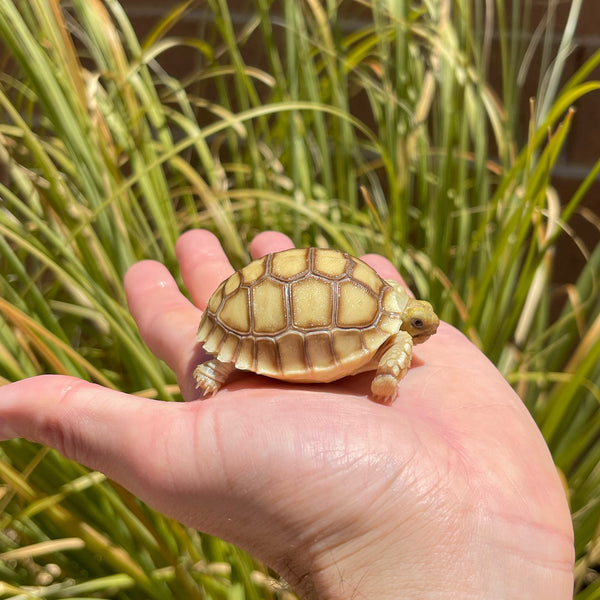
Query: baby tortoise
(311, 315)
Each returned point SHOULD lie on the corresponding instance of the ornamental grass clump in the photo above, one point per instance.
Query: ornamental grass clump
(365, 127)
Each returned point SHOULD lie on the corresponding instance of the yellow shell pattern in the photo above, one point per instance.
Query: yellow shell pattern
(306, 314)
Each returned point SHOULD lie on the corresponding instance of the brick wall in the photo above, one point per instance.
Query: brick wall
(583, 146)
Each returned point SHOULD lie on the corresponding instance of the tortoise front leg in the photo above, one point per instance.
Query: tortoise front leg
(393, 365)
(211, 375)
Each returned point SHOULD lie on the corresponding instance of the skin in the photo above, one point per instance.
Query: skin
(450, 492)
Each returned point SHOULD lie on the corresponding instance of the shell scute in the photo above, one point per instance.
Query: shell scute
(267, 357)
(254, 271)
(373, 338)
(214, 340)
(348, 342)
(232, 284)
(367, 276)
(215, 300)
(292, 354)
(290, 265)
(234, 311)
(394, 300)
(389, 323)
(319, 349)
(330, 264)
(246, 354)
(229, 348)
(357, 306)
(206, 326)
(268, 307)
(312, 303)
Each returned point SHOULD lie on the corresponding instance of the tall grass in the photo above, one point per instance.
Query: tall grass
(365, 126)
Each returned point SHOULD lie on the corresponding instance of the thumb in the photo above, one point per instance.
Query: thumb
(145, 445)
(173, 455)
(85, 422)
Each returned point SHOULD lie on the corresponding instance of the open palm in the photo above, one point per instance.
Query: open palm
(448, 492)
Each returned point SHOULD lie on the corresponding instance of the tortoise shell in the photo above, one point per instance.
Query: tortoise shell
(304, 315)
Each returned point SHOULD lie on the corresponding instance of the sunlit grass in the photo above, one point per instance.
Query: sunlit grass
(381, 134)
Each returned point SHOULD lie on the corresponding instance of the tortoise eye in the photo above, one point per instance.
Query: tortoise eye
(417, 323)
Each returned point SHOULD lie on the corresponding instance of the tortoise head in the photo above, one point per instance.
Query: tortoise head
(419, 320)
(418, 317)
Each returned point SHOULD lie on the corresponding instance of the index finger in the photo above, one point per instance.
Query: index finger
(203, 264)
(384, 268)
(269, 241)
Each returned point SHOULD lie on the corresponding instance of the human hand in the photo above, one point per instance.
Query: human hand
(448, 492)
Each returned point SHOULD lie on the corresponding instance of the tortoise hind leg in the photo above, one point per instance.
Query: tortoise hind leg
(211, 375)
(393, 365)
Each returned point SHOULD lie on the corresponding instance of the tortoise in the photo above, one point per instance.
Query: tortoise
(311, 315)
